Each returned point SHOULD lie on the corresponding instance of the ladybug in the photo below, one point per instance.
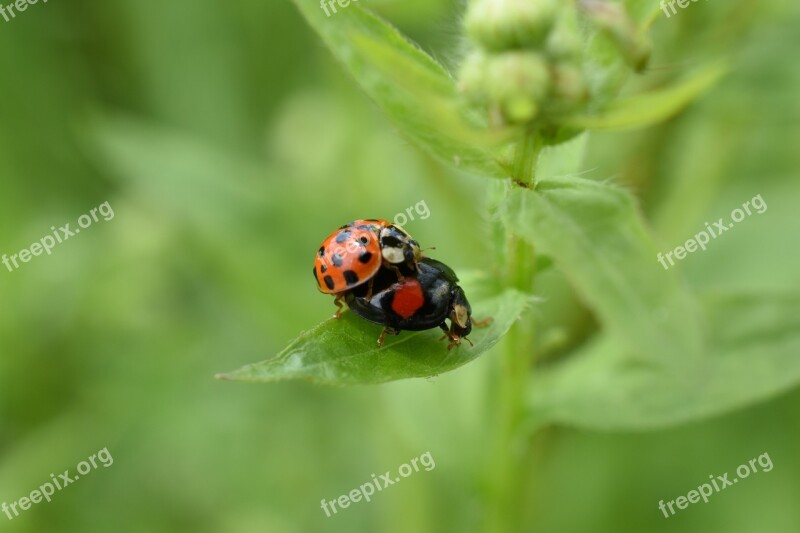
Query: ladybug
(352, 255)
(416, 303)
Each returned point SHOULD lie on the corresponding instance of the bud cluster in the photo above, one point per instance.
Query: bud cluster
(528, 60)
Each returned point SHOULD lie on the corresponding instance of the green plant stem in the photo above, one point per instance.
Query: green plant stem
(511, 442)
(525, 157)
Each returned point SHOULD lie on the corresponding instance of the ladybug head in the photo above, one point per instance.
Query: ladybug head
(397, 246)
(460, 313)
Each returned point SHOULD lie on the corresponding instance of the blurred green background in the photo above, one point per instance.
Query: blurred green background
(229, 144)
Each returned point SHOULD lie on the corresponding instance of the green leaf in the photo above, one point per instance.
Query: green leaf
(642, 11)
(597, 237)
(345, 351)
(650, 108)
(415, 91)
(563, 159)
(753, 345)
(603, 58)
(441, 104)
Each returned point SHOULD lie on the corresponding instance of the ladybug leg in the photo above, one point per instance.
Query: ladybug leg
(380, 338)
(368, 297)
(386, 330)
(338, 303)
(455, 340)
(396, 269)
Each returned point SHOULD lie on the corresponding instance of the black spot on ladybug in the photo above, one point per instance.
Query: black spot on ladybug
(336, 260)
(323, 268)
(343, 236)
(321, 251)
(328, 282)
(350, 277)
(316, 276)
(364, 239)
(365, 257)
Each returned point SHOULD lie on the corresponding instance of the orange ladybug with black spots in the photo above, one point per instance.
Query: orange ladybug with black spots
(352, 255)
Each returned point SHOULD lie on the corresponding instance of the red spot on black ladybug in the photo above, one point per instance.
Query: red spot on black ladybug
(365, 257)
(328, 282)
(408, 298)
(350, 277)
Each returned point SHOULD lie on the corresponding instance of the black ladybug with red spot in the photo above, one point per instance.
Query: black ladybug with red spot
(419, 302)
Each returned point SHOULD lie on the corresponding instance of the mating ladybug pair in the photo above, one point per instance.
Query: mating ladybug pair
(379, 270)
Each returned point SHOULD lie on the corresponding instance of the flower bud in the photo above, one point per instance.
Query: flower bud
(513, 82)
(569, 88)
(564, 41)
(618, 25)
(518, 81)
(507, 24)
(472, 78)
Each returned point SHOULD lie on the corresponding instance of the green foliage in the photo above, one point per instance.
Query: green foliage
(344, 351)
(751, 354)
(646, 109)
(592, 231)
(655, 332)
(415, 91)
(224, 136)
(598, 239)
